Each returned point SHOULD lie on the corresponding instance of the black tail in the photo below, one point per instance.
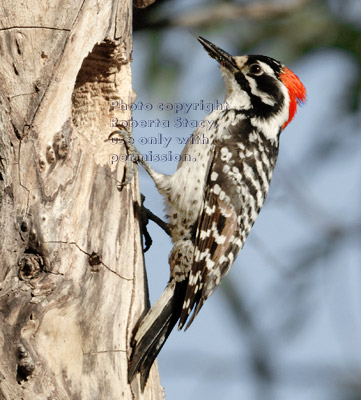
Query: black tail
(154, 330)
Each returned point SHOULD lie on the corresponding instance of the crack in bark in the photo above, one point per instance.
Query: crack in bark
(20, 183)
(89, 255)
(53, 273)
(93, 353)
(22, 94)
(35, 27)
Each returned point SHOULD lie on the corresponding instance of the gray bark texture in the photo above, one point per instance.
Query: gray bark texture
(72, 282)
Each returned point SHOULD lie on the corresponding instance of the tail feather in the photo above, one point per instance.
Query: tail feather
(154, 329)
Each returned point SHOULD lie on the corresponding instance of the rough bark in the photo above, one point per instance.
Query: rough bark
(72, 282)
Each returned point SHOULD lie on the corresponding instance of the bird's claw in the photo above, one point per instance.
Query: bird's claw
(132, 157)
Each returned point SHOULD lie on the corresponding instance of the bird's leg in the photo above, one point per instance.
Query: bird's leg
(144, 222)
(148, 215)
(134, 156)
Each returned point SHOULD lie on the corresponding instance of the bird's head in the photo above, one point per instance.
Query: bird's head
(259, 83)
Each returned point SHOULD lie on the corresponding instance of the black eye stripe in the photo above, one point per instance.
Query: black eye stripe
(265, 84)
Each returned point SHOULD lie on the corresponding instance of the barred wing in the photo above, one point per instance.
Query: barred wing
(237, 186)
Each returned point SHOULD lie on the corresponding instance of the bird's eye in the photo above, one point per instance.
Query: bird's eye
(255, 69)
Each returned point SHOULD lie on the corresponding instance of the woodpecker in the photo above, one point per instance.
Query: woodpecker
(217, 191)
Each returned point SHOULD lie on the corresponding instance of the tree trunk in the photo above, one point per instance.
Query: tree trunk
(72, 282)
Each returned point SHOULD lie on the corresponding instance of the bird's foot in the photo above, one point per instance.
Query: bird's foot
(133, 155)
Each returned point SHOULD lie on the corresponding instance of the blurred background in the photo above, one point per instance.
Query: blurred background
(286, 322)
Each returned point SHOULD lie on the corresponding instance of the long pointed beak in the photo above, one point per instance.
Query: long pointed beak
(218, 54)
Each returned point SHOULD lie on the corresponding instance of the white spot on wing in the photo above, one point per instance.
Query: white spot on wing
(209, 263)
(216, 189)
